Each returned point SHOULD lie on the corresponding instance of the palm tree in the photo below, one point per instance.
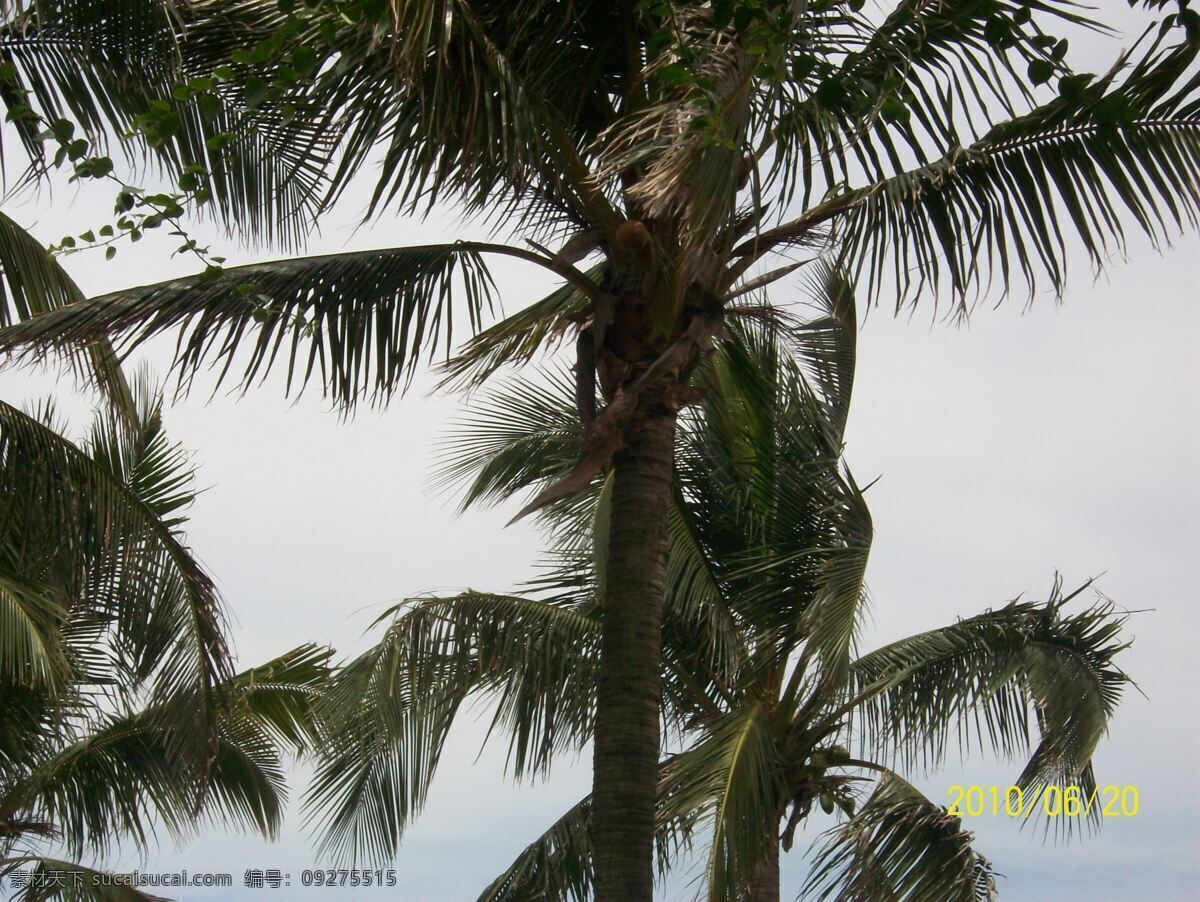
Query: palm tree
(77, 776)
(769, 541)
(120, 706)
(670, 150)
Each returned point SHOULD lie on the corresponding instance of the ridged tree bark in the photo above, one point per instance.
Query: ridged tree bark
(629, 685)
(764, 886)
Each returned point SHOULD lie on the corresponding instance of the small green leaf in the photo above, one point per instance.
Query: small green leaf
(304, 60)
(62, 129)
(1041, 71)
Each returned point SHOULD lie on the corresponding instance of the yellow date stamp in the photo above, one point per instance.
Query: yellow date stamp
(1052, 801)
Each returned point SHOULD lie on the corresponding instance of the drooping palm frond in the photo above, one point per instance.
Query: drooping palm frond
(386, 714)
(73, 527)
(874, 96)
(517, 339)
(281, 696)
(900, 847)
(1106, 153)
(32, 282)
(359, 320)
(557, 865)
(466, 101)
(982, 678)
(103, 64)
(91, 60)
(123, 774)
(32, 655)
(513, 437)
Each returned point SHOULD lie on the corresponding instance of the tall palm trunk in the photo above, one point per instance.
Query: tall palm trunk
(764, 885)
(629, 685)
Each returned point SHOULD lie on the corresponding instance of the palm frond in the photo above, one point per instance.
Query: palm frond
(70, 522)
(465, 101)
(900, 847)
(983, 677)
(1102, 154)
(123, 775)
(557, 865)
(513, 437)
(360, 320)
(825, 346)
(517, 339)
(386, 714)
(281, 697)
(140, 454)
(32, 653)
(876, 96)
(104, 64)
(731, 776)
(759, 468)
(32, 282)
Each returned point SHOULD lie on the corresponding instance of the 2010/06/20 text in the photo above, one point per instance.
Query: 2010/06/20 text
(1053, 801)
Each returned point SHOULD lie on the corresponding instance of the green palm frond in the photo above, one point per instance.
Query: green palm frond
(535, 329)
(33, 282)
(513, 436)
(826, 345)
(1102, 155)
(760, 468)
(557, 865)
(32, 653)
(123, 775)
(871, 96)
(732, 777)
(360, 320)
(282, 696)
(467, 102)
(104, 63)
(702, 634)
(836, 610)
(90, 60)
(69, 522)
(140, 454)
(900, 847)
(982, 678)
(386, 714)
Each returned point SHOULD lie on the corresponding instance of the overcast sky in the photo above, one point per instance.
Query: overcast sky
(1028, 441)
